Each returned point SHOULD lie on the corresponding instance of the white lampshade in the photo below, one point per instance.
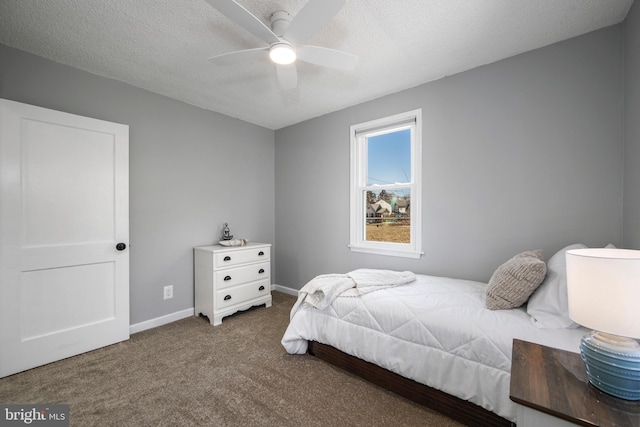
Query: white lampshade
(282, 53)
(603, 287)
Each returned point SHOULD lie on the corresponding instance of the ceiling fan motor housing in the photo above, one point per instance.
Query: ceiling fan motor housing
(280, 21)
(282, 52)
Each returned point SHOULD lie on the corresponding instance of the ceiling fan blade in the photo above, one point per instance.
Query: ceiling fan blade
(311, 18)
(287, 76)
(240, 56)
(327, 57)
(245, 19)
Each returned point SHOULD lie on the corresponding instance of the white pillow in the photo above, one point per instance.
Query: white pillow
(548, 305)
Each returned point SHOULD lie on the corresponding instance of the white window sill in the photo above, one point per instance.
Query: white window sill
(404, 253)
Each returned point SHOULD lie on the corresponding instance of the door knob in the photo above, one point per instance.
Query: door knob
(121, 246)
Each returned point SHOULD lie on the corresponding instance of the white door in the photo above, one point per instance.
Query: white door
(64, 206)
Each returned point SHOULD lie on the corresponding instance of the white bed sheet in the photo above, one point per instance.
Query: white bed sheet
(436, 331)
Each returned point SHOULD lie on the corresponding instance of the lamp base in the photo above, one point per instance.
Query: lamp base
(613, 364)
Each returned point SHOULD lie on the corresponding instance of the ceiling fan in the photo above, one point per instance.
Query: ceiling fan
(285, 38)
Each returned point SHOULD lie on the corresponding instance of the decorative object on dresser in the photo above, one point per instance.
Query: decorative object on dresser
(226, 232)
(233, 242)
(231, 279)
(551, 388)
(603, 288)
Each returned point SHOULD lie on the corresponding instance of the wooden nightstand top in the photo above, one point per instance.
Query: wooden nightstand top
(555, 382)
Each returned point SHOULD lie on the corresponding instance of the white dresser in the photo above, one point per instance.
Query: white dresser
(230, 279)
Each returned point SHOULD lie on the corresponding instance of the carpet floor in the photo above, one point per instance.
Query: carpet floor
(189, 373)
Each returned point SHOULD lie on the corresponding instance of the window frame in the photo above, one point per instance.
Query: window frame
(358, 184)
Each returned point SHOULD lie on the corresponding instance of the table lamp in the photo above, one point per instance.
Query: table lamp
(603, 287)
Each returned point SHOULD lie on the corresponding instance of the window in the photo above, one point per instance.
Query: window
(386, 159)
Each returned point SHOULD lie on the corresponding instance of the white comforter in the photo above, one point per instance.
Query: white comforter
(436, 331)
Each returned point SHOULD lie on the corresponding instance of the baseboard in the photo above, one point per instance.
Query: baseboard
(285, 290)
(162, 320)
(178, 315)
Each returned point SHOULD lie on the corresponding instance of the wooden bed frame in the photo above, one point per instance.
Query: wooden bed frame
(460, 410)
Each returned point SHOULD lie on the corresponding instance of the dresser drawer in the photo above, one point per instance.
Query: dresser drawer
(239, 294)
(237, 276)
(243, 256)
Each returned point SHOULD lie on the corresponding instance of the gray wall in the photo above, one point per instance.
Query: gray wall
(632, 128)
(521, 154)
(190, 171)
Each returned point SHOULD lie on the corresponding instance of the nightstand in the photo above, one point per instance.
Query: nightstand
(551, 388)
(231, 279)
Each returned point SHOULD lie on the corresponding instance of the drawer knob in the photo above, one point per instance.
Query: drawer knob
(261, 288)
(261, 271)
(227, 297)
(227, 278)
(260, 253)
(227, 258)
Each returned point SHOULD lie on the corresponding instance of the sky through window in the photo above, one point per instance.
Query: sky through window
(389, 158)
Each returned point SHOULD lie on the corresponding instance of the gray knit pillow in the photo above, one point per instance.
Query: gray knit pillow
(513, 282)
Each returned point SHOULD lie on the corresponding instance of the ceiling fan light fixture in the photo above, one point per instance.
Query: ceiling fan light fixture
(282, 53)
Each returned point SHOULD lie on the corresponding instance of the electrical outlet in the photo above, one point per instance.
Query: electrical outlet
(168, 292)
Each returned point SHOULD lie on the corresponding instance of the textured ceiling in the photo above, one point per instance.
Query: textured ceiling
(163, 46)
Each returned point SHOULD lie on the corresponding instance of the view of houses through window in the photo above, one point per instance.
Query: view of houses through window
(388, 217)
(388, 195)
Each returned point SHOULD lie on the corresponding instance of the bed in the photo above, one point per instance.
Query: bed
(435, 336)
